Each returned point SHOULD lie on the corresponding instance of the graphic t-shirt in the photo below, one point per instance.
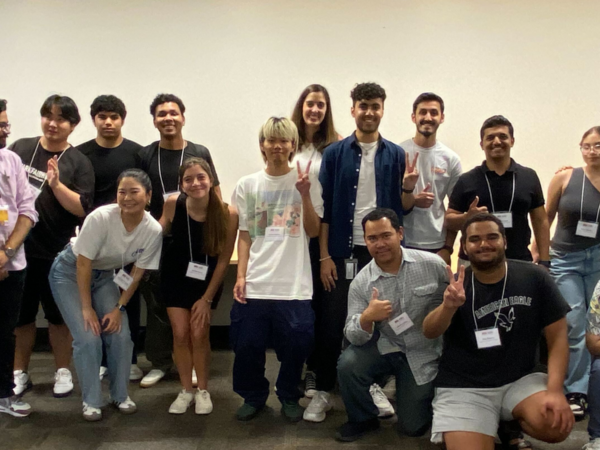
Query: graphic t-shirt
(56, 225)
(167, 179)
(104, 239)
(531, 302)
(108, 164)
(270, 209)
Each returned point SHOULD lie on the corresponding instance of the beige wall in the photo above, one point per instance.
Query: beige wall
(235, 63)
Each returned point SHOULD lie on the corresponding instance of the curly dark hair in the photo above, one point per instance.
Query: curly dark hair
(367, 91)
(166, 98)
(108, 103)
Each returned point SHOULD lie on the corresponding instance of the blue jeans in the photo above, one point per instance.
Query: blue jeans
(87, 348)
(287, 325)
(576, 275)
(594, 400)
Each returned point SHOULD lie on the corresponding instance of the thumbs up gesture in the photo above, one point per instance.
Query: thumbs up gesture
(473, 209)
(378, 310)
(424, 199)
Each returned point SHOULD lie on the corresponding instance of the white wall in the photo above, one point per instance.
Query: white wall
(234, 63)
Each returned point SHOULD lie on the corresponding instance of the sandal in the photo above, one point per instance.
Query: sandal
(511, 436)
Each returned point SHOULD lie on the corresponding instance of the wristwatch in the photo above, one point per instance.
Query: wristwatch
(10, 252)
(408, 191)
(120, 307)
(546, 264)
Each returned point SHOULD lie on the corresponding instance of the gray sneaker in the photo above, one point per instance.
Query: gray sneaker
(14, 406)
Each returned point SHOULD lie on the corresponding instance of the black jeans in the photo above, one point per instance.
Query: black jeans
(11, 292)
(331, 310)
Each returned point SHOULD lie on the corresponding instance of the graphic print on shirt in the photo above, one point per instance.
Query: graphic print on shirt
(503, 319)
(35, 177)
(281, 209)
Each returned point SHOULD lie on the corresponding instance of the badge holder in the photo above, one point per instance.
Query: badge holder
(195, 270)
(506, 218)
(274, 233)
(123, 279)
(587, 229)
(351, 265)
(487, 338)
(4, 215)
(401, 323)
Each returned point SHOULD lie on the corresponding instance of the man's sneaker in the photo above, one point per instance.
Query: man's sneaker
(310, 385)
(594, 444)
(22, 382)
(14, 406)
(152, 377)
(194, 378)
(292, 410)
(247, 412)
(351, 431)
(103, 372)
(135, 373)
(63, 383)
(381, 401)
(91, 414)
(126, 407)
(578, 404)
(318, 407)
(181, 404)
(203, 402)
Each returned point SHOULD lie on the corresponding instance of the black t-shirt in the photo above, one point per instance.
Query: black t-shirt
(170, 161)
(528, 196)
(56, 225)
(108, 164)
(531, 302)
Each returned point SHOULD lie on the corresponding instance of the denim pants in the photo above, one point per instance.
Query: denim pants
(360, 366)
(576, 275)
(594, 400)
(288, 326)
(87, 348)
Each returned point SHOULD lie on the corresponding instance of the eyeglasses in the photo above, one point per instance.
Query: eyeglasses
(5, 126)
(586, 148)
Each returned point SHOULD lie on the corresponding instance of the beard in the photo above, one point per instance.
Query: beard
(427, 133)
(484, 266)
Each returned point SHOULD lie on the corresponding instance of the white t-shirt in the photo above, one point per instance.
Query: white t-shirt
(104, 239)
(366, 193)
(279, 266)
(304, 155)
(439, 166)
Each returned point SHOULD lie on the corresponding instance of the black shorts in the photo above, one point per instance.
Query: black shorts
(36, 291)
(182, 298)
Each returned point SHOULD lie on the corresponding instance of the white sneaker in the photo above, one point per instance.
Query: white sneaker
(14, 406)
(181, 404)
(594, 444)
(91, 414)
(22, 382)
(203, 402)
(152, 377)
(103, 372)
(318, 407)
(135, 373)
(63, 383)
(310, 384)
(126, 407)
(381, 401)
(194, 378)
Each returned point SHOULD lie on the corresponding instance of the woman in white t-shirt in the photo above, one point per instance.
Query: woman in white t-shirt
(86, 288)
(313, 117)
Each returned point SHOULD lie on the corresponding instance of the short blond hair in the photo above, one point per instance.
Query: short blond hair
(279, 127)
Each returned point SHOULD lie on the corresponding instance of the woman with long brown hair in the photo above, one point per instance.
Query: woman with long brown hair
(193, 267)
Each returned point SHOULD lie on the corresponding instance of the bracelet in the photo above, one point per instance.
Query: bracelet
(208, 301)
(408, 191)
(546, 264)
(324, 259)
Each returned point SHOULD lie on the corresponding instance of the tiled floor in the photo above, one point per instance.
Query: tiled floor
(57, 423)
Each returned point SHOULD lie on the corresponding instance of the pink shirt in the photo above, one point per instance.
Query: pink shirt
(15, 194)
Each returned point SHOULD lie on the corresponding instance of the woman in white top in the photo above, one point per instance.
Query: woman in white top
(86, 288)
(313, 117)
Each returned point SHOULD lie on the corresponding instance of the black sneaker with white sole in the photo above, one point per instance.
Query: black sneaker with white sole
(578, 403)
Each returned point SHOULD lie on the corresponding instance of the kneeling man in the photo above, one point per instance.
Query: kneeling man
(492, 319)
(387, 303)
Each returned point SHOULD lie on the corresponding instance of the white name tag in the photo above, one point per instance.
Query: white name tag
(401, 323)
(351, 268)
(3, 214)
(274, 233)
(488, 338)
(505, 218)
(168, 194)
(123, 279)
(586, 229)
(197, 271)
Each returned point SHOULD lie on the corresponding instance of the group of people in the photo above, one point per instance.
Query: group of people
(344, 252)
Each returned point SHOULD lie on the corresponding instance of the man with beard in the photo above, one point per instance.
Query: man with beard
(506, 189)
(492, 318)
(358, 174)
(439, 169)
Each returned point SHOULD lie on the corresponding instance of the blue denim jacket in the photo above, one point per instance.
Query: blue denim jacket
(339, 178)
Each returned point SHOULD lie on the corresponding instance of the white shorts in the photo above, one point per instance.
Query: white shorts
(480, 410)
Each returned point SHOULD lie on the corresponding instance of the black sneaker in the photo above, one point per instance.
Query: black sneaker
(292, 410)
(578, 403)
(310, 384)
(351, 431)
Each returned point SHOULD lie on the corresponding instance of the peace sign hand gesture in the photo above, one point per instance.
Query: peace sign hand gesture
(411, 174)
(454, 295)
(303, 183)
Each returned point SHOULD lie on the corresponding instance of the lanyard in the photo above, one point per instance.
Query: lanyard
(581, 207)
(190, 237)
(512, 198)
(32, 158)
(159, 166)
(501, 298)
(135, 264)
